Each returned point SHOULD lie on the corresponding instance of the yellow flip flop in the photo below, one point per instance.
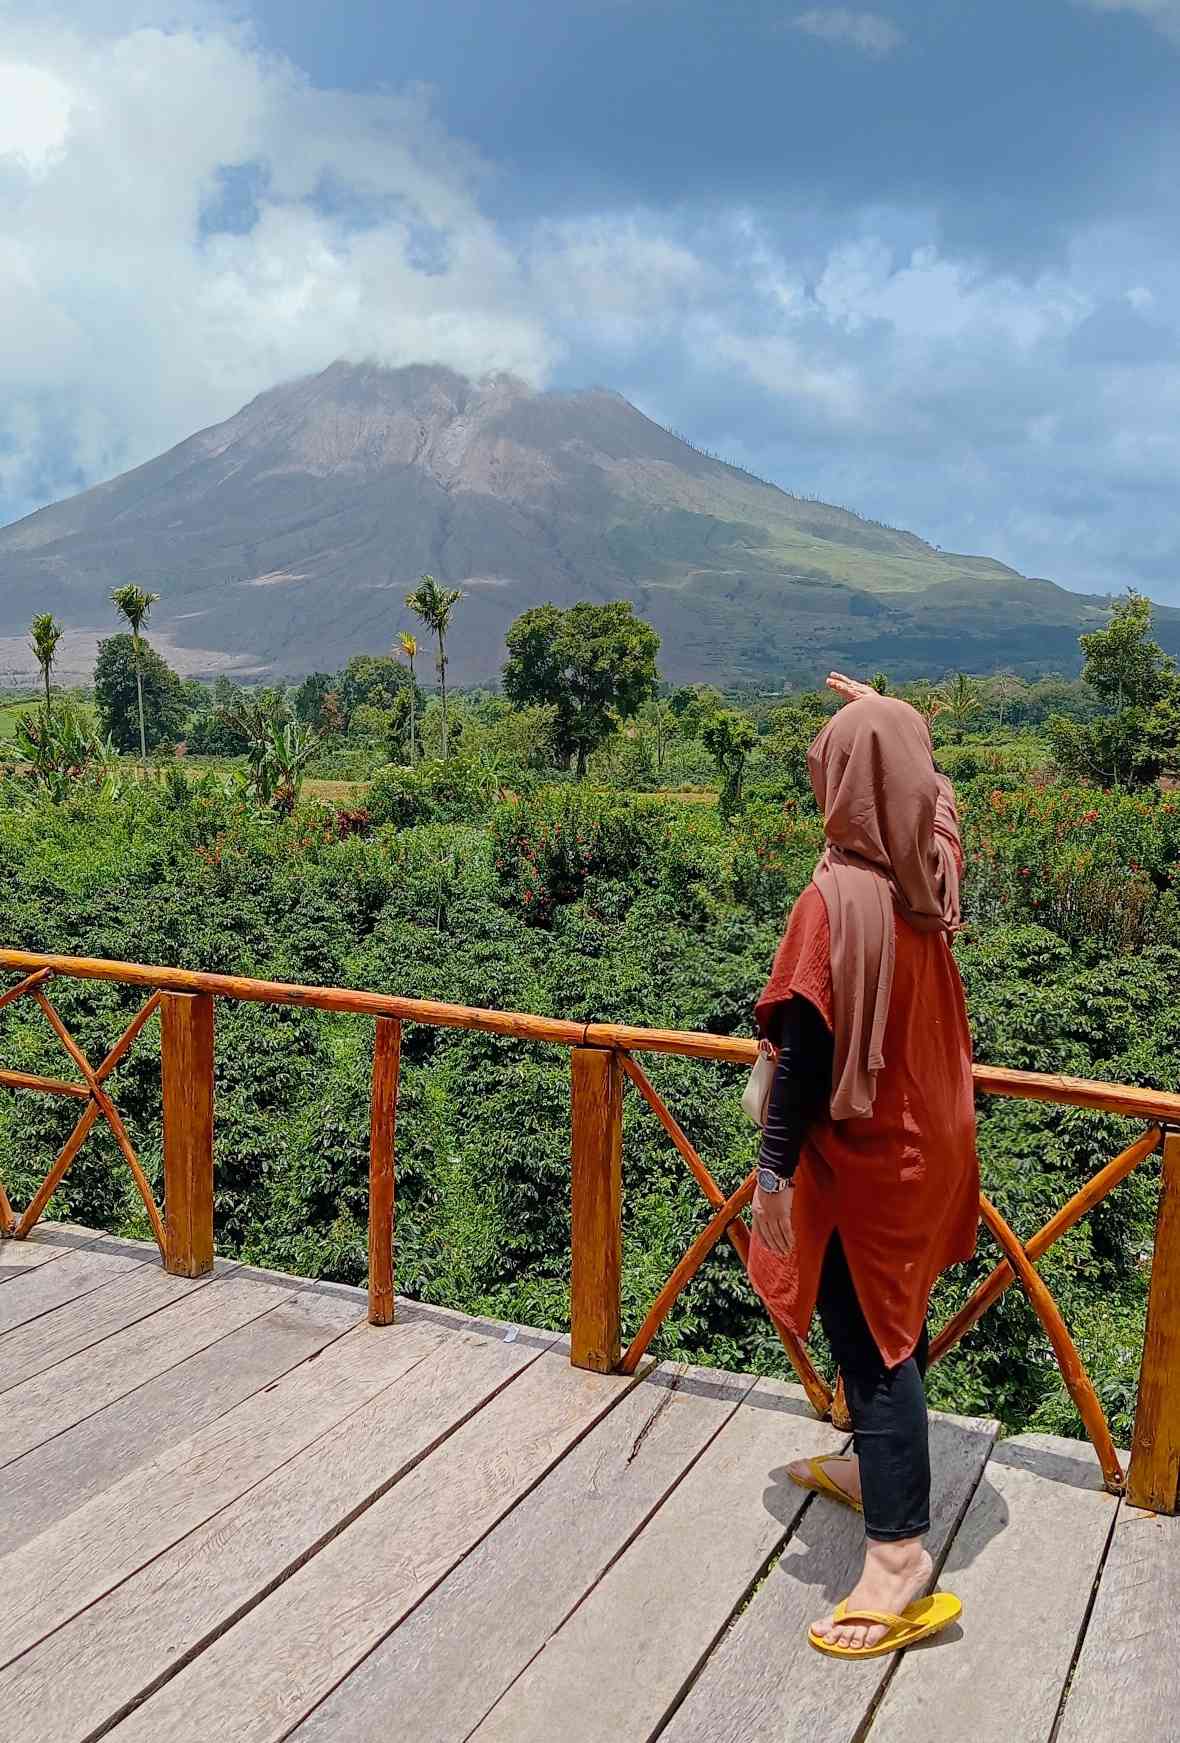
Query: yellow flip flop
(822, 1484)
(925, 1616)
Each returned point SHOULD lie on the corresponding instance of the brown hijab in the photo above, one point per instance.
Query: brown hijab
(892, 845)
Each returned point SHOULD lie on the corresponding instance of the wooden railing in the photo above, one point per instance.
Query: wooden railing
(602, 1062)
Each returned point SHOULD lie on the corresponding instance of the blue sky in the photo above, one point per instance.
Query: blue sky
(919, 258)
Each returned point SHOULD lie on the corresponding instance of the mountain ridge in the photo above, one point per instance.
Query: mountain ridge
(284, 538)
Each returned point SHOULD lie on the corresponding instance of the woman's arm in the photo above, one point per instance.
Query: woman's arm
(802, 1083)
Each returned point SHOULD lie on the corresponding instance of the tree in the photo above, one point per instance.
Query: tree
(1004, 688)
(308, 700)
(135, 606)
(658, 713)
(278, 748)
(46, 632)
(1122, 662)
(595, 664)
(729, 737)
(1132, 672)
(692, 705)
(140, 702)
(435, 605)
(409, 647)
(961, 703)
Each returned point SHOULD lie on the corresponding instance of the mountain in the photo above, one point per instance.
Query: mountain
(283, 541)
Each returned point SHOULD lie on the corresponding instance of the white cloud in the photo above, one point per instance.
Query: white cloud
(131, 314)
(866, 31)
(1163, 14)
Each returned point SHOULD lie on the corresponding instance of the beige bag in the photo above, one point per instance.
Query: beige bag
(757, 1090)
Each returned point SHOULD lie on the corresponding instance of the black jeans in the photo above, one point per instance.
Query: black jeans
(888, 1408)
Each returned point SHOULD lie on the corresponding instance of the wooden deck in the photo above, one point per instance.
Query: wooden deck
(233, 1512)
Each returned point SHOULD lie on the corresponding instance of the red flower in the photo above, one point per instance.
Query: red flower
(1024, 871)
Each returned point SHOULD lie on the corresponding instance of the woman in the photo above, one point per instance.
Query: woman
(868, 1184)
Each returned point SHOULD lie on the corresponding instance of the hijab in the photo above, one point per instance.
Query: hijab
(893, 846)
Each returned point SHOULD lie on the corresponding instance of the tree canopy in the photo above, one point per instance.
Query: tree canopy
(164, 705)
(595, 664)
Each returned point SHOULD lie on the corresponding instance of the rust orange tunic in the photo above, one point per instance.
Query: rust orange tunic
(902, 1185)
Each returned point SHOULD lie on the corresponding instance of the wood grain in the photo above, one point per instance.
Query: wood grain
(1126, 1683)
(259, 1680)
(1155, 1451)
(18, 1258)
(141, 1633)
(1024, 1562)
(611, 1669)
(95, 1548)
(387, 1054)
(138, 1291)
(46, 1287)
(596, 1189)
(75, 1389)
(29, 1080)
(186, 1072)
(453, 1656)
(60, 1476)
(764, 1681)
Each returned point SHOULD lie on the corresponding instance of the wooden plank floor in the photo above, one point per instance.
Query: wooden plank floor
(232, 1511)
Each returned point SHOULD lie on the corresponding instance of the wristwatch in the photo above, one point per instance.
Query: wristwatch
(769, 1181)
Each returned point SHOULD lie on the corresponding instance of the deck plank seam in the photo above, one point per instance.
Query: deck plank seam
(631, 1537)
(633, 1380)
(92, 1289)
(234, 1500)
(161, 1307)
(90, 1414)
(1084, 1629)
(863, 1730)
(745, 1598)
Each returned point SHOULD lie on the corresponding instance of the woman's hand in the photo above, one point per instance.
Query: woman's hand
(848, 689)
(772, 1219)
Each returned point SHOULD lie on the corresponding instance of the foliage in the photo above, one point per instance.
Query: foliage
(1138, 680)
(470, 882)
(435, 605)
(729, 737)
(44, 634)
(594, 664)
(63, 748)
(433, 792)
(119, 683)
(278, 749)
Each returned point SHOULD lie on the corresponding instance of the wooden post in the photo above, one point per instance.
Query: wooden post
(387, 1053)
(186, 1067)
(596, 1082)
(1154, 1480)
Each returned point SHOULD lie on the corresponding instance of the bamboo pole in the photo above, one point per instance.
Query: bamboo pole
(186, 1076)
(685, 1271)
(1080, 1386)
(994, 1285)
(1154, 1480)
(387, 1049)
(739, 1235)
(110, 1114)
(596, 1227)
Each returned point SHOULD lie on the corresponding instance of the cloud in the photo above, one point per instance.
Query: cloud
(136, 305)
(1163, 14)
(190, 218)
(866, 31)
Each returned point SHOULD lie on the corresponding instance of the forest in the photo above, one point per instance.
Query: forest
(587, 842)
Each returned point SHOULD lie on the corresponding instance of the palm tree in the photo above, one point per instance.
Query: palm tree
(435, 605)
(409, 647)
(46, 633)
(135, 605)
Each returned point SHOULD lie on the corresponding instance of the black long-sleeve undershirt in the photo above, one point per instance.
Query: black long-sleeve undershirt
(802, 1083)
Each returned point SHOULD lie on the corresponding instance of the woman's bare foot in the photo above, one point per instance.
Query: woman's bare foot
(894, 1575)
(844, 1472)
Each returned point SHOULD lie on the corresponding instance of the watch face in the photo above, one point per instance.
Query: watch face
(769, 1181)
